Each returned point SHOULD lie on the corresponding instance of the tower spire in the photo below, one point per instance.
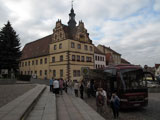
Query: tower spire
(72, 4)
(72, 22)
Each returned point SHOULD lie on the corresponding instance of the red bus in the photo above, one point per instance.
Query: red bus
(128, 81)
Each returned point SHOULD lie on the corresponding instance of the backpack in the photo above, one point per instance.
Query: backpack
(100, 100)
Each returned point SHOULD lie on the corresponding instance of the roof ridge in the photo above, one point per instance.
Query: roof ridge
(39, 39)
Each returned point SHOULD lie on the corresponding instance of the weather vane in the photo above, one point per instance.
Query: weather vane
(72, 3)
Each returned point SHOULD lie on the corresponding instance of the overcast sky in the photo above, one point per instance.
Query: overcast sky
(130, 27)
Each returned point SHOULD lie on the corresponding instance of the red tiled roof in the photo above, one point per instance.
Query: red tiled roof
(36, 48)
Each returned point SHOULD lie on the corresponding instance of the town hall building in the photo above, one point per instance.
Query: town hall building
(62, 54)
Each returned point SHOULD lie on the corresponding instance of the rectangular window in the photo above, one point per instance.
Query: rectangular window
(53, 59)
(61, 73)
(100, 58)
(85, 47)
(25, 63)
(32, 62)
(36, 62)
(96, 57)
(22, 64)
(79, 46)
(74, 73)
(28, 63)
(78, 73)
(73, 57)
(82, 58)
(31, 72)
(40, 72)
(54, 73)
(35, 72)
(88, 59)
(72, 45)
(45, 72)
(45, 60)
(78, 58)
(91, 48)
(55, 47)
(60, 46)
(41, 61)
(61, 58)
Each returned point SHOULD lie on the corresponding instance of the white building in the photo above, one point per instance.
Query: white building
(99, 59)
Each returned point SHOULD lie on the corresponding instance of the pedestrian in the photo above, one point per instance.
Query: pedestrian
(61, 86)
(115, 104)
(105, 98)
(92, 88)
(76, 87)
(65, 85)
(56, 86)
(88, 89)
(99, 101)
(81, 89)
(51, 84)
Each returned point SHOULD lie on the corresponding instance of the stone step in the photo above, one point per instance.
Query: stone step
(45, 109)
(19, 108)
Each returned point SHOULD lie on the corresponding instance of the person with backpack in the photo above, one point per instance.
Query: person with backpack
(99, 101)
(115, 104)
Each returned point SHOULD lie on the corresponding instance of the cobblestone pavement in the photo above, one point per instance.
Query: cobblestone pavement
(151, 112)
(10, 92)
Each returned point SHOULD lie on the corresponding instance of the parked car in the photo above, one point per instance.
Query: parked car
(152, 83)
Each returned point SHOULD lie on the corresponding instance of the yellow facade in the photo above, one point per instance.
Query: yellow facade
(56, 63)
(36, 66)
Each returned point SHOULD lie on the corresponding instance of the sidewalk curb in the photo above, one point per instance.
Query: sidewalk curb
(29, 109)
(19, 108)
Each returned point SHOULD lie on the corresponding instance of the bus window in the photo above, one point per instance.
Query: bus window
(132, 78)
(111, 77)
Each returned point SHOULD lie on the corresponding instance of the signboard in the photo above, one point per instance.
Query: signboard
(85, 70)
(4, 71)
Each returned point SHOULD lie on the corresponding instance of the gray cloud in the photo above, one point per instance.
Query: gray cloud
(129, 27)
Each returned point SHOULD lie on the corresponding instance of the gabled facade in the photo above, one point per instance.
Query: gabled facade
(112, 57)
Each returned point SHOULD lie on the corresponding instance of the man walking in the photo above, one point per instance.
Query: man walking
(61, 86)
(115, 104)
(51, 84)
(76, 87)
(56, 86)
